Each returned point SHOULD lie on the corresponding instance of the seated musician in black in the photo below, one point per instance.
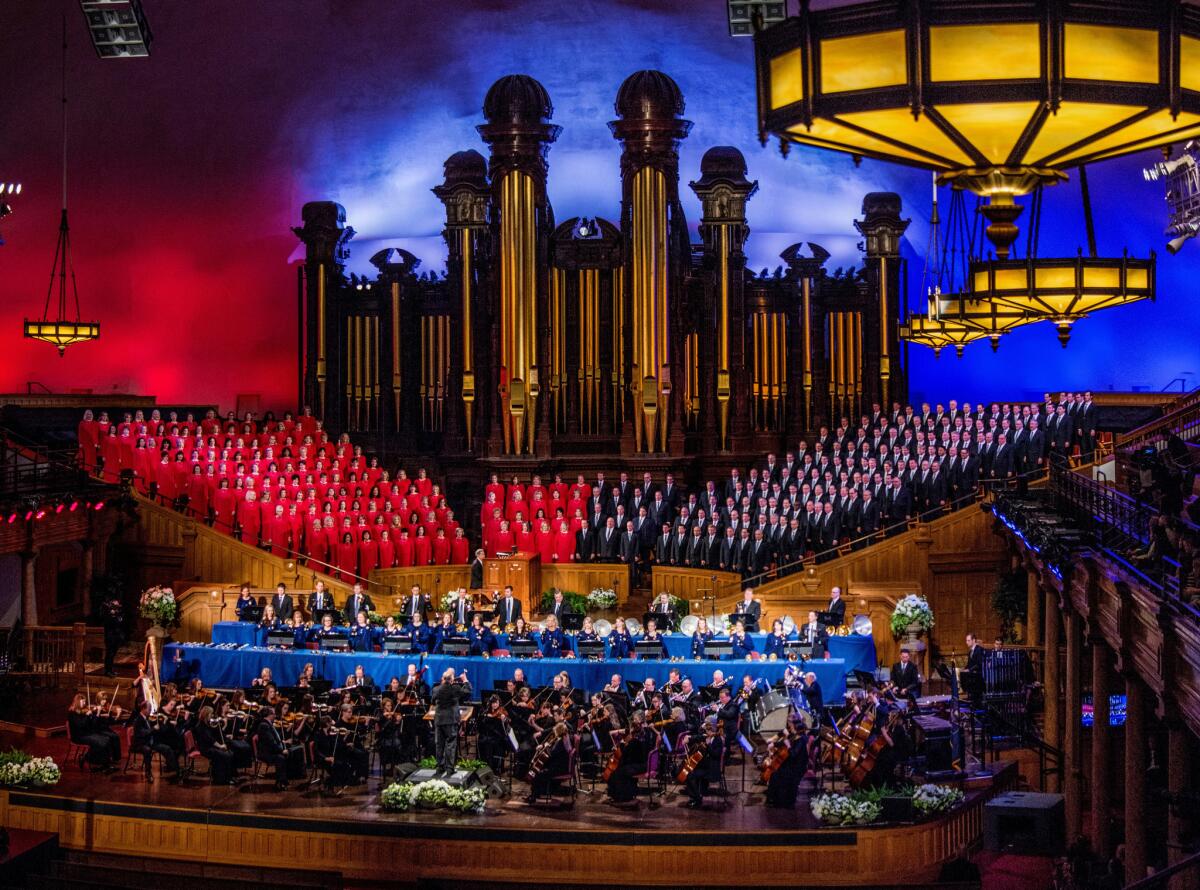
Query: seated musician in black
(145, 743)
(354, 740)
(494, 743)
(330, 754)
(709, 768)
(286, 759)
(729, 713)
(550, 760)
(208, 736)
(388, 738)
(636, 743)
(83, 729)
(784, 783)
(243, 754)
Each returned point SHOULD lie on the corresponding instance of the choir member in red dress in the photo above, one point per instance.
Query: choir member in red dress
(404, 549)
(460, 548)
(110, 451)
(317, 546)
(422, 548)
(347, 558)
(424, 483)
(441, 548)
(248, 517)
(164, 480)
(545, 542)
(494, 490)
(560, 488)
(368, 554)
(224, 503)
(387, 549)
(503, 540)
(516, 505)
(89, 441)
(198, 491)
(280, 531)
(523, 538)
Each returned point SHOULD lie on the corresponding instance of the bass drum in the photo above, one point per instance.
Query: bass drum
(771, 713)
(688, 625)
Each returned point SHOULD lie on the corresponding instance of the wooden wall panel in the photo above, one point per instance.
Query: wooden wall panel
(693, 585)
(583, 579)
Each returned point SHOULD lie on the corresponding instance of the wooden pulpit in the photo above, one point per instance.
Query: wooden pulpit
(521, 570)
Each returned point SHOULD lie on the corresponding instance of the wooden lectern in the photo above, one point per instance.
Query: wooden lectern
(522, 571)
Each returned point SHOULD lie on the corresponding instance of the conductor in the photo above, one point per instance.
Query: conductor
(445, 699)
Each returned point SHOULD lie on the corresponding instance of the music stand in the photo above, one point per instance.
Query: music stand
(826, 619)
(456, 646)
(715, 650)
(664, 621)
(336, 642)
(648, 650)
(397, 645)
(282, 639)
(320, 687)
(572, 621)
(523, 648)
(252, 614)
(590, 648)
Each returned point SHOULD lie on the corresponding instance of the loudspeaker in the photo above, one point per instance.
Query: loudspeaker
(897, 808)
(1026, 821)
(404, 770)
(491, 781)
(460, 778)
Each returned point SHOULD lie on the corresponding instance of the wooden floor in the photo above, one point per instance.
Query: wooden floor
(658, 842)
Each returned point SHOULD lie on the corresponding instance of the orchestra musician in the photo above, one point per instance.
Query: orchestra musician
(906, 682)
(587, 634)
(749, 610)
(635, 743)
(388, 740)
(814, 696)
(416, 605)
(729, 713)
(421, 635)
(549, 761)
(301, 629)
(263, 678)
(494, 727)
(615, 685)
(362, 634)
(784, 782)
(701, 637)
(353, 729)
(146, 743)
(642, 701)
(444, 631)
(83, 728)
(208, 735)
(287, 759)
(776, 641)
(447, 697)
(329, 747)
(710, 766)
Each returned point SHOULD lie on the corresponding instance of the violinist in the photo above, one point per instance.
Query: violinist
(653, 636)
(783, 782)
(550, 761)
(388, 740)
(82, 729)
(106, 713)
(288, 760)
(742, 644)
(420, 634)
(146, 743)
(620, 641)
(701, 637)
(631, 753)
(209, 739)
(677, 728)
(301, 629)
(353, 729)
(329, 747)
(231, 725)
(244, 602)
(552, 640)
(776, 641)
(362, 635)
(445, 631)
(521, 713)
(711, 763)
(480, 637)
(494, 727)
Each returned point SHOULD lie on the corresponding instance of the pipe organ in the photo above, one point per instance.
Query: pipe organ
(589, 338)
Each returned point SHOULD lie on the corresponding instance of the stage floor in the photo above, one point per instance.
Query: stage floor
(255, 824)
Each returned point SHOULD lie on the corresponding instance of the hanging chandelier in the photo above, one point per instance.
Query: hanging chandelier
(62, 330)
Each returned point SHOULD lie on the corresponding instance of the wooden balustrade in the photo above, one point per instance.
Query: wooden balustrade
(58, 653)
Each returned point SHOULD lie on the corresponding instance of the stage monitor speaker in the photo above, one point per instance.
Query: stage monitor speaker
(897, 808)
(485, 777)
(460, 778)
(1026, 821)
(404, 770)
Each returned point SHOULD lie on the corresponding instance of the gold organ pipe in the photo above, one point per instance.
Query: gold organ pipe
(777, 357)
(619, 342)
(885, 362)
(663, 357)
(831, 322)
(375, 380)
(349, 371)
(468, 358)
(396, 350)
(321, 366)
(858, 360)
(359, 354)
(529, 304)
(806, 331)
(723, 381)
(783, 368)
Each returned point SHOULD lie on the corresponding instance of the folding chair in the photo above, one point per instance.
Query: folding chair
(651, 776)
(192, 754)
(75, 751)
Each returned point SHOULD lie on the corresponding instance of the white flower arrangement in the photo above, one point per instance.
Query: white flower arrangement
(838, 809)
(446, 604)
(912, 610)
(929, 799)
(158, 604)
(35, 772)
(434, 794)
(602, 598)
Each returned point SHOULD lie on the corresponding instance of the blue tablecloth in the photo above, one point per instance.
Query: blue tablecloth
(857, 651)
(225, 668)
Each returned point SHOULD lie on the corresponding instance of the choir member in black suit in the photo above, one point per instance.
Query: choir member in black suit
(477, 570)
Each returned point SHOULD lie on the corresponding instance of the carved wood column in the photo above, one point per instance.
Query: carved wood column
(1101, 787)
(1033, 610)
(1136, 708)
(1072, 730)
(1179, 779)
(29, 610)
(1052, 727)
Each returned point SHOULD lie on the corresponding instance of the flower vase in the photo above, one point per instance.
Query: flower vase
(913, 642)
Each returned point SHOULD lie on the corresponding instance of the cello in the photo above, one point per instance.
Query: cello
(696, 755)
(780, 751)
(542, 755)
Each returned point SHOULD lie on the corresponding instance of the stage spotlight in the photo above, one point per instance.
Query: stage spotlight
(10, 188)
(741, 15)
(29, 516)
(118, 28)
(99, 505)
(60, 508)
(12, 517)
(40, 513)
(74, 504)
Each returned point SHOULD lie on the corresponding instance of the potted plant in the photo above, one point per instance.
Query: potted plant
(1010, 601)
(912, 616)
(158, 604)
